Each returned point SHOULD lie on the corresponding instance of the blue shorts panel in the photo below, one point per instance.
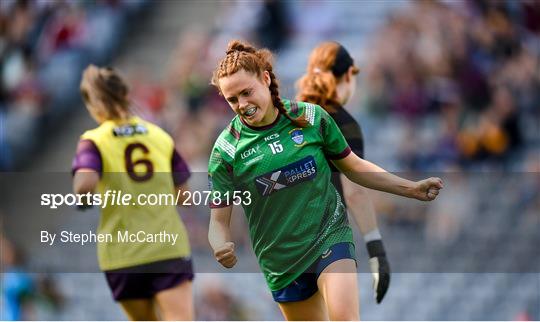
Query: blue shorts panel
(305, 285)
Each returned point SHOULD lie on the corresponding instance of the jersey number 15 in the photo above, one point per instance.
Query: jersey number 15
(276, 147)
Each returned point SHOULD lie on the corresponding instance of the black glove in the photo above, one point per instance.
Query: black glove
(380, 268)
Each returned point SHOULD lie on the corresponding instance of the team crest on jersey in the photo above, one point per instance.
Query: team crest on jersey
(287, 176)
(297, 135)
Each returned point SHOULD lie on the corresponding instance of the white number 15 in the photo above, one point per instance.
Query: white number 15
(276, 147)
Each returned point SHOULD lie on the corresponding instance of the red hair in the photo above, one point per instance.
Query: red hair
(319, 84)
(241, 55)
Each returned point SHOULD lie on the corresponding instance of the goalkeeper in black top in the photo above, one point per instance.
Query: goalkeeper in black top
(330, 82)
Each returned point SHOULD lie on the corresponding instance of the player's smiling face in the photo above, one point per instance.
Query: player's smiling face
(249, 97)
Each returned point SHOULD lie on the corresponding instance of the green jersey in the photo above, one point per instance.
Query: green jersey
(295, 213)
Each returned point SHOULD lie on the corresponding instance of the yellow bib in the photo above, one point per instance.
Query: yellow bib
(136, 159)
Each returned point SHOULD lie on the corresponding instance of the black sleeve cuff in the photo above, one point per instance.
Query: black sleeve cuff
(375, 248)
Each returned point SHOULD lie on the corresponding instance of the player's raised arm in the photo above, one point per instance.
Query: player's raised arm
(219, 236)
(372, 176)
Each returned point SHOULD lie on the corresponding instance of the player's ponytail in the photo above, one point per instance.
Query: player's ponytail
(241, 55)
(327, 63)
(318, 87)
(107, 87)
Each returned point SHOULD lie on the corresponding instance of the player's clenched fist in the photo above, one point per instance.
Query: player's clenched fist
(427, 189)
(225, 255)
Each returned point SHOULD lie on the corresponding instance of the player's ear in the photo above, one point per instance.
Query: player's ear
(266, 78)
(351, 73)
(348, 75)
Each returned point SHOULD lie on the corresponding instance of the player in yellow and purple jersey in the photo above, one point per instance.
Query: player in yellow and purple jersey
(150, 279)
(277, 150)
(330, 82)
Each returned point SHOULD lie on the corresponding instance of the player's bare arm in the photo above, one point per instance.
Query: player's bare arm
(182, 196)
(85, 180)
(219, 236)
(372, 176)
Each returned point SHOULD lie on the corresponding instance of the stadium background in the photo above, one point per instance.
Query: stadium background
(449, 88)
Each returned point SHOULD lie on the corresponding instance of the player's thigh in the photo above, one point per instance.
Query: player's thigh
(311, 309)
(139, 309)
(338, 285)
(176, 303)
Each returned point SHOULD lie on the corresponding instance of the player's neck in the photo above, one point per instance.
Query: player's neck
(342, 95)
(270, 117)
(122, 119)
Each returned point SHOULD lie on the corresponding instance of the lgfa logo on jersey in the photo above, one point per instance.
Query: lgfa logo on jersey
(297, 135)
(250, 151)
(248, 155)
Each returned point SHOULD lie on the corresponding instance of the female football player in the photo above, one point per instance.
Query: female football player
(151, 278)
(330, 82)
(276, 151)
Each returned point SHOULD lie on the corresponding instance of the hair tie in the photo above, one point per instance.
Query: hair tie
(317, 70)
